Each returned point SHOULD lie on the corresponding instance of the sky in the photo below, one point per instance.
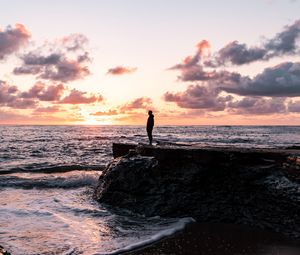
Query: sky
(192, 62)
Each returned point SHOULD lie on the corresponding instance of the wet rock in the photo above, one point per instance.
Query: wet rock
(209, 184)
(3, 251)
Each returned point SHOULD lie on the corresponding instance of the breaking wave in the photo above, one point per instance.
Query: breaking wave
(45, 181)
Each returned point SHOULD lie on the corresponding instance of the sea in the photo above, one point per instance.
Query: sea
(48, 175)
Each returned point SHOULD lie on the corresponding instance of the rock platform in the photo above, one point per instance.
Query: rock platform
(254, 187)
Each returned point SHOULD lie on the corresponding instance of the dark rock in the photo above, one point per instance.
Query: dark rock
(3, 251)
(210, 184)
(293, 147)
(121, 149)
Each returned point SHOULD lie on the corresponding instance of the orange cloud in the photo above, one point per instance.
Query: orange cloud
(23, 30)
(109, 113)
(44, 93)
(80, 97)
(203, 48)
(12, 39)
(139, 103)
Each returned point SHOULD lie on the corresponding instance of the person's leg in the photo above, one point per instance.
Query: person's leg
(150, 137)
(149, 132)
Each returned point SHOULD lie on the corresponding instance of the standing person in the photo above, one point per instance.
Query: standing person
(150, 125)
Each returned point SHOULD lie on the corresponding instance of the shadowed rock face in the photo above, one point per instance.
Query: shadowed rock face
(212, 185)
(3, 251)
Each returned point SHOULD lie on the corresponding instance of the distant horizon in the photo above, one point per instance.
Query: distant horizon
(140, 125)
(192, 62)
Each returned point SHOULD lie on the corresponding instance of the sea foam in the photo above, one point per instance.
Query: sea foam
(172, 229)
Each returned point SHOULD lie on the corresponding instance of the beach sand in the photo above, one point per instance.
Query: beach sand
(221, 239)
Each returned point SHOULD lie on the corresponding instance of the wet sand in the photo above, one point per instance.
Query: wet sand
(221, 239)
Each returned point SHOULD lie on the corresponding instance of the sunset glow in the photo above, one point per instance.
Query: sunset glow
(109, 62)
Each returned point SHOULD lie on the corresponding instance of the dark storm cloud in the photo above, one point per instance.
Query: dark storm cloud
(64, 61)
(12, 38)
(80, 97)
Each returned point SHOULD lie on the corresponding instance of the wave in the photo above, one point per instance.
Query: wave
(46, 182)
(181, 224)
(52, 169)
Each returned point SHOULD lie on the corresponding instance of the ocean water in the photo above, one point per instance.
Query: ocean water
(48, 173)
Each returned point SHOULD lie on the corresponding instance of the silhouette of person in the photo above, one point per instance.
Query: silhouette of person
(150, 125)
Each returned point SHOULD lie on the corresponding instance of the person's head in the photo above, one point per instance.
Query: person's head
(150, 112)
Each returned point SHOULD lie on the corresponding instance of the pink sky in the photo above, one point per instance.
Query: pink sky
(109, 62)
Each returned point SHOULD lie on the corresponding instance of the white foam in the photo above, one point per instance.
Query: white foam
(179, 225)
(59, 180)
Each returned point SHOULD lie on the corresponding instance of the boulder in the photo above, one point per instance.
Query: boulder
(210, 184)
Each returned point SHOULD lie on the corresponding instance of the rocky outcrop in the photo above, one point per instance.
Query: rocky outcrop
(250, 187)
(3, 251)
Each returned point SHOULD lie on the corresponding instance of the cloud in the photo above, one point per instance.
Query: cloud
(203, 49)
(214, 88)
(236, 53)
(266, 93)
(74, 42)
(197, 73)
(139, 103)
(80, 97)
(120, 70)
(284, 43)
(258, 105)
(109, 113)
(294, 106)
(22, 103)
(280, 81)
(12, 38)
(199, 97)
(49, 109)
(44, 93)
(9, 97)
(64, 61)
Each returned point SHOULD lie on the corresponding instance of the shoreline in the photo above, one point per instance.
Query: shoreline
(220, 239)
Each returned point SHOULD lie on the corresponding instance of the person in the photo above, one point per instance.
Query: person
(150, 125)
